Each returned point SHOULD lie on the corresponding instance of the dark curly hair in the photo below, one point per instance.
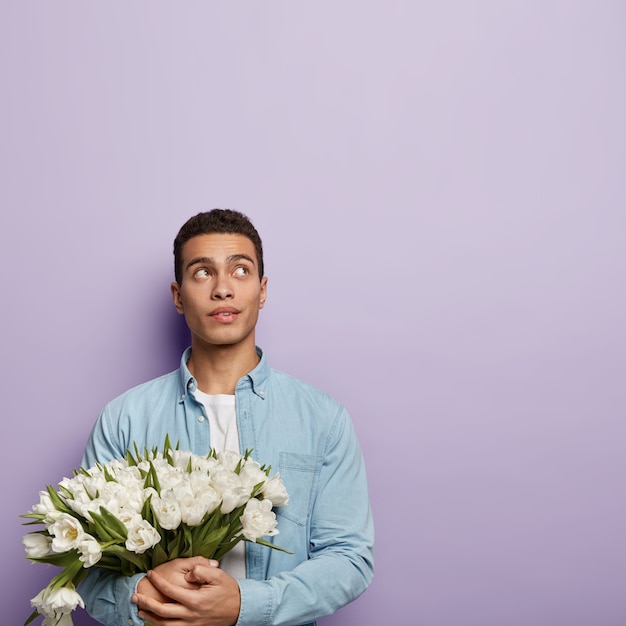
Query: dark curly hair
(216, 221)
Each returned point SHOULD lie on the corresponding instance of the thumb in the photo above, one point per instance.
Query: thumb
(196, 561)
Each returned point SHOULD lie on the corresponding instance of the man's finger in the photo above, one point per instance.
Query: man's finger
(201, 574)
(171, 590)
(169, 610)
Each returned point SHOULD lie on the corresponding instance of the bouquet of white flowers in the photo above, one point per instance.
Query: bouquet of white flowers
(131, 514)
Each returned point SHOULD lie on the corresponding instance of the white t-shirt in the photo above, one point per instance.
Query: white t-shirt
(220, 410)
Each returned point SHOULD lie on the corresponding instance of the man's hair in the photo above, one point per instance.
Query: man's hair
(216, 221)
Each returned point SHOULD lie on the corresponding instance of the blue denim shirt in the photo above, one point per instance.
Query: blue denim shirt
(302, 433)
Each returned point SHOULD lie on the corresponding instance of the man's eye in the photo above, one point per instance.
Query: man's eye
(201, 273)
(241, 271)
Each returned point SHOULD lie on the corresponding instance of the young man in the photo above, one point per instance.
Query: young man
(225, 395)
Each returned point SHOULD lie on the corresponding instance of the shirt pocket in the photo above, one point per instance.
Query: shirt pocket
(298, 473)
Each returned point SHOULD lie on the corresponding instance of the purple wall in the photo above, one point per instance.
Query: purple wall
(441, 193)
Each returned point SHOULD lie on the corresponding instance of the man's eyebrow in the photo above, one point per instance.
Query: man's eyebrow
(233, 258)
(200, 260)
(207, 260)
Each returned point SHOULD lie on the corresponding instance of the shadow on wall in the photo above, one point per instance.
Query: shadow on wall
(164, 338)
(175, 333)
(81, 618)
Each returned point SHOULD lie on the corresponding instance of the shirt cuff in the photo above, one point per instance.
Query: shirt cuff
(257, 603)
(125, 586)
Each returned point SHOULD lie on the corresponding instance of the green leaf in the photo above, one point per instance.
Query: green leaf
(159, 556)
(126, 556)
(114, 524)
(73, 573)
(66, 492)
(188, 541)
(58, 503)
(211, 521)
(256, 489)
(209, 544)
(108, 476)
(175, 545)
(110, 561)
(267, 544)
(130, 459)
(226, 547)
(61, 559)
(108, 527)
(32, 616)
(147, 512)
(37, 518)
(152, 479)
(98, 528)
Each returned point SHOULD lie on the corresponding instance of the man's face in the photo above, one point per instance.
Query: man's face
(220, 292)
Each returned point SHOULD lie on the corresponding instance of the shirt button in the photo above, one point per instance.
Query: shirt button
(201, 418)
(261, 393)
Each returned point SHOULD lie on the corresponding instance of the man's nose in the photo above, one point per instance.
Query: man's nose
(222, 289)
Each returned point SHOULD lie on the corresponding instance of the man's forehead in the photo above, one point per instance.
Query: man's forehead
(218, 246)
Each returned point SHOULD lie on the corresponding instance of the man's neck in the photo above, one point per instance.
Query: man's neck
(218, 368)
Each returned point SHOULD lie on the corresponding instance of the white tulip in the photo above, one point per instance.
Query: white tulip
(258, 520)
(45, 506)
(67, 531)
(274, 490)
(167, 510)
(37, 545)
(229, 459)
(49, 602)
(251, 475)
(89, 551)
(142, 536)
(231, 489)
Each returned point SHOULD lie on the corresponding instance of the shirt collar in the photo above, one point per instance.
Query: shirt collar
(256, 379)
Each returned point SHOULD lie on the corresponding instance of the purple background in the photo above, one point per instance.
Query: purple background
(440, 190)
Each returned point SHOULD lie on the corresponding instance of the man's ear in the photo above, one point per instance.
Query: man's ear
(263, 294)
(178, 301)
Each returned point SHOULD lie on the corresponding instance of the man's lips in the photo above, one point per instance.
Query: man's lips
(224, 314)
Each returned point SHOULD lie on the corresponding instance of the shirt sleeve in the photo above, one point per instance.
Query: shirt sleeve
(340, 565)
(107, 597)
(101, 446)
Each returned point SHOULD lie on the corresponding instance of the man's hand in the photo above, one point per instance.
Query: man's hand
(172, 571)
(193, 591)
